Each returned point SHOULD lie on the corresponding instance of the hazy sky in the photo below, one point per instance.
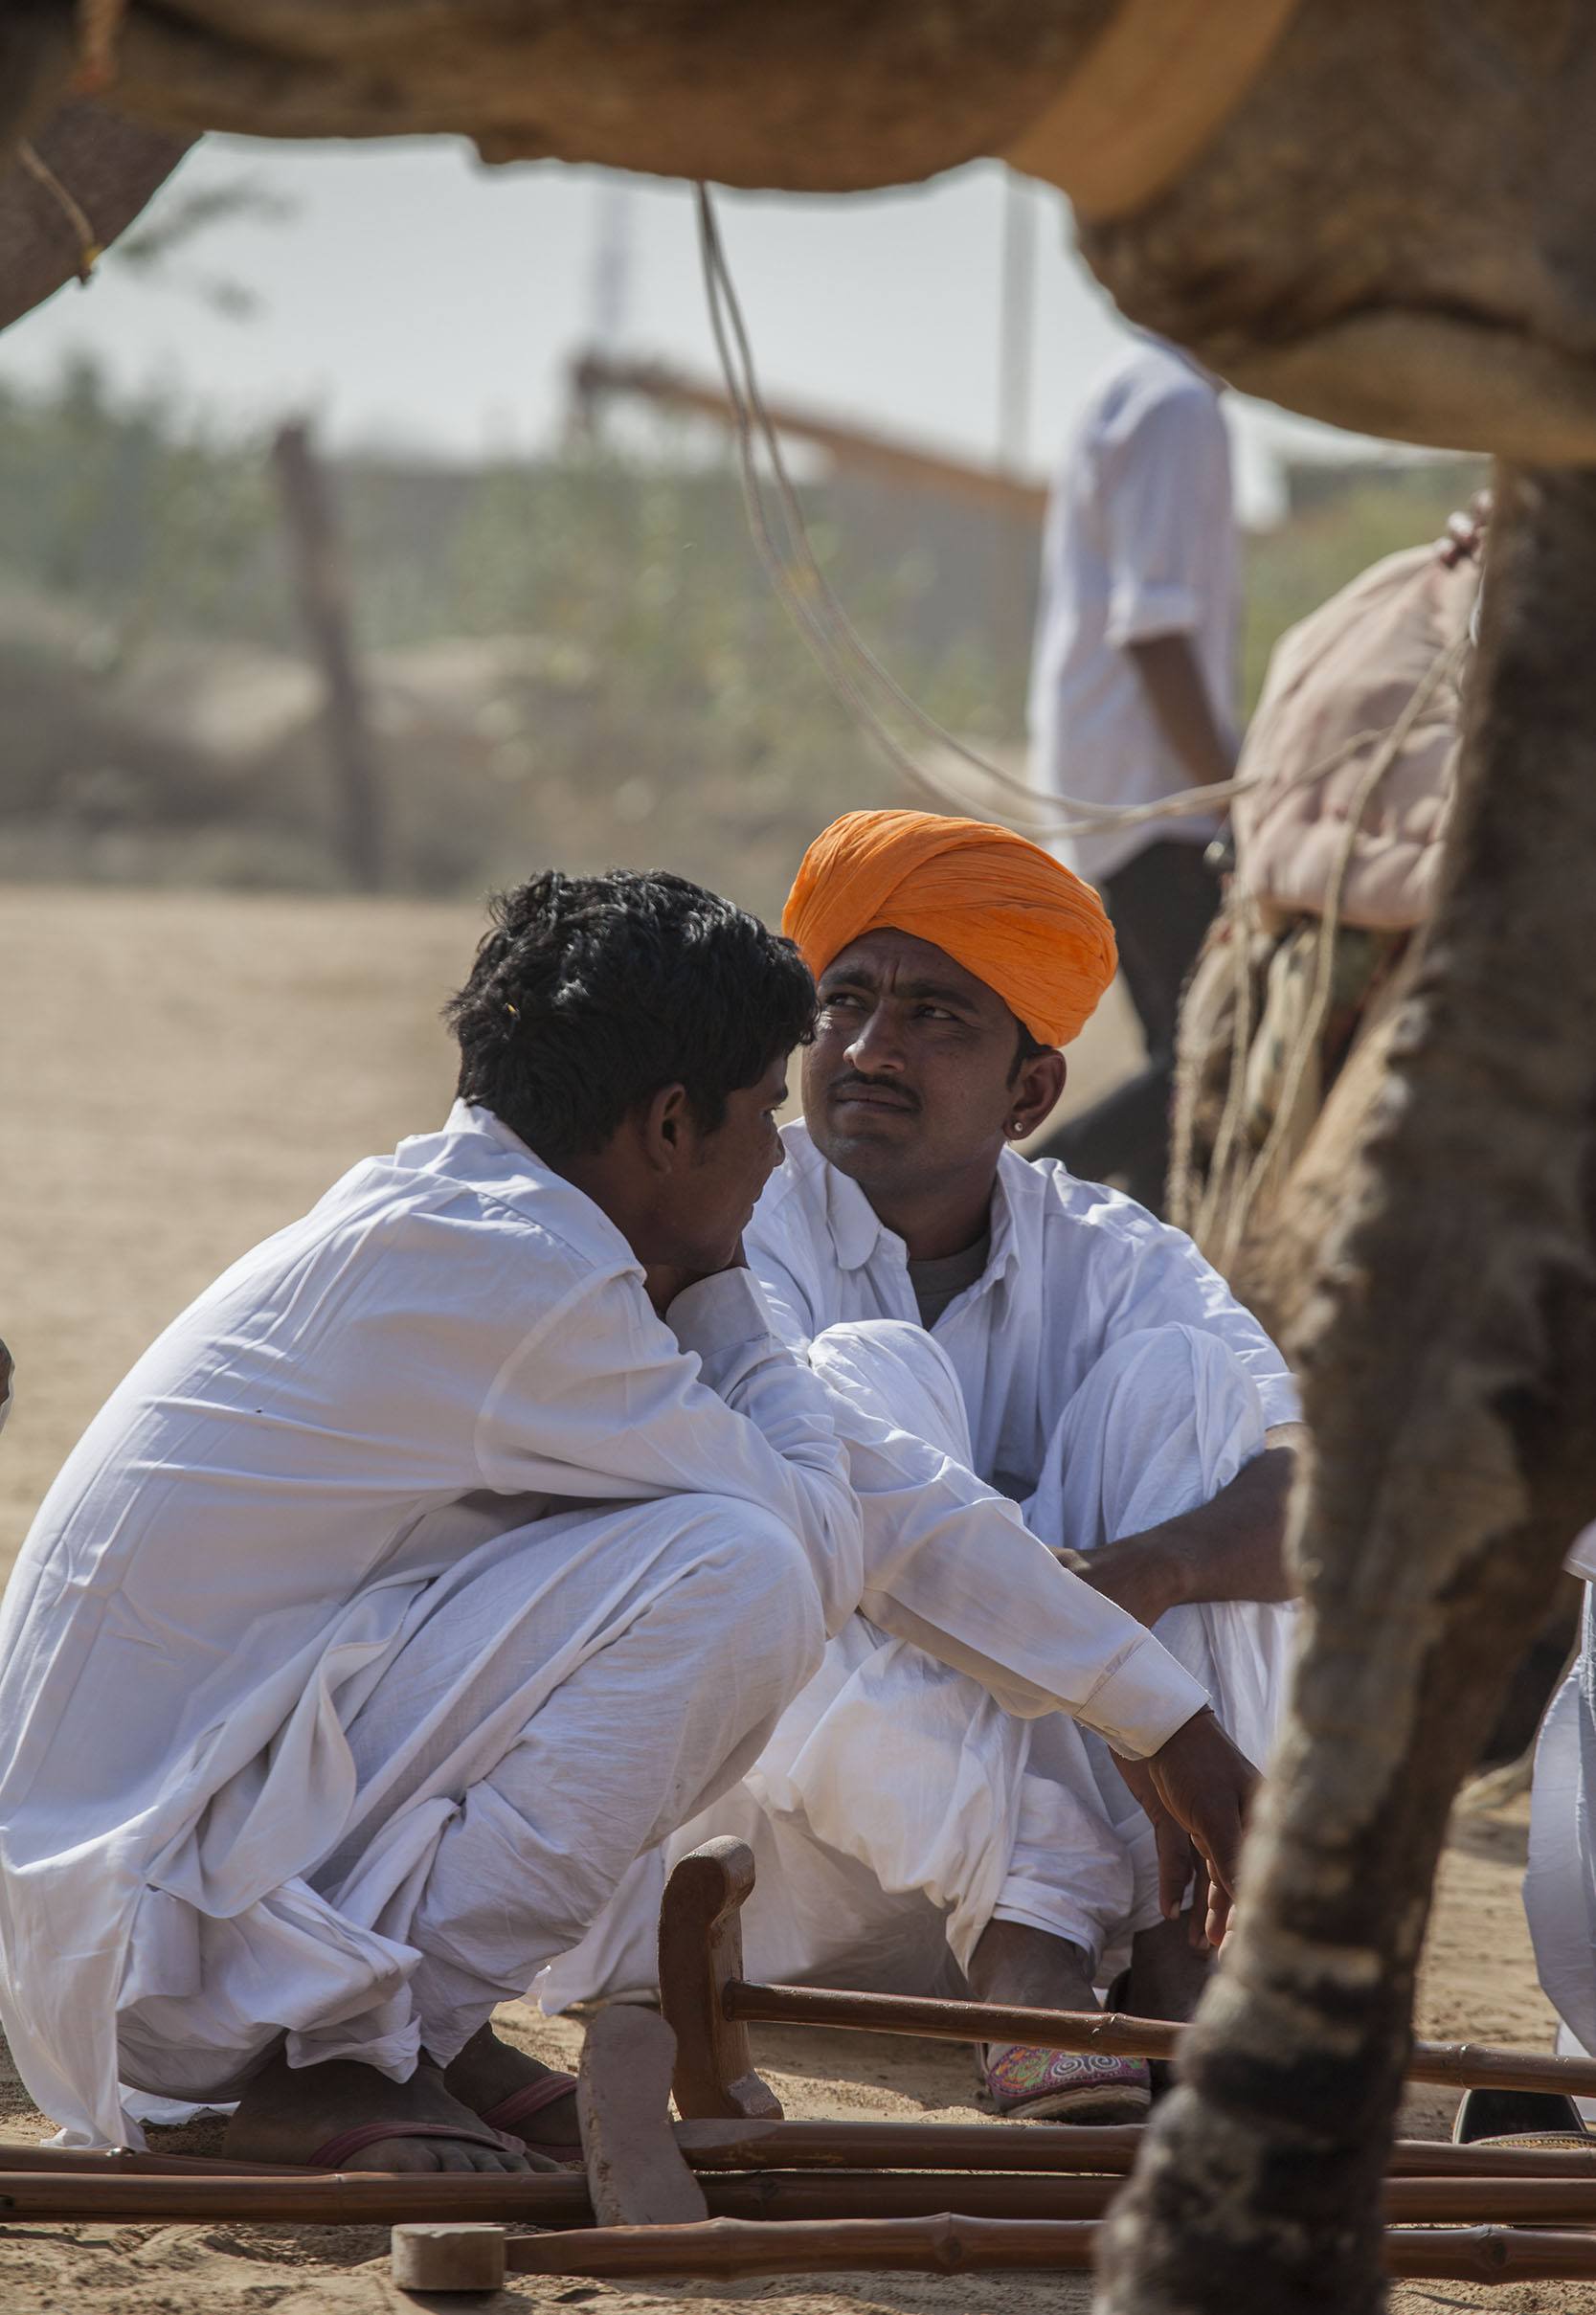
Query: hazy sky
(415, 298)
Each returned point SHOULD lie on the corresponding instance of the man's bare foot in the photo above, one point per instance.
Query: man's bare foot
(488, 2071)
(289, 2112)
(1168, 1973)
(1015, 1963)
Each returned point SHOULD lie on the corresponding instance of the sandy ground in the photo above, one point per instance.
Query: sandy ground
(182, 1073)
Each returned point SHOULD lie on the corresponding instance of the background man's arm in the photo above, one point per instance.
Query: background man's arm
(1233, 1548)
(1172, 681)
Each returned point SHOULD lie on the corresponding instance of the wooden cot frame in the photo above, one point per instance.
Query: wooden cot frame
(733, 2188)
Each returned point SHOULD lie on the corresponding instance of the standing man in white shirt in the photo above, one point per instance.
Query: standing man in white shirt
(1133, 688)
(448, 1553)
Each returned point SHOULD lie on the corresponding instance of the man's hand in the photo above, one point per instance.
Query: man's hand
(1176, 689)
(1137, 1573)
(1233, 1548)
(663, 1281)
(1197, 1790)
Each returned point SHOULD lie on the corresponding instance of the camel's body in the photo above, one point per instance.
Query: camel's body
(1393, 228)
(1390, 222)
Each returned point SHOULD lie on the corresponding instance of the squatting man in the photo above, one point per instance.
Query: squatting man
(463, 1542)
(989, 1327)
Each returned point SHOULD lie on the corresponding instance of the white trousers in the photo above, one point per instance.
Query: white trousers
(1559, 1884)
(897, 1809)
(554, 1705)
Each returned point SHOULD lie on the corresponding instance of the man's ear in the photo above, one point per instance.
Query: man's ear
(1037, 1092)
(664, 1123)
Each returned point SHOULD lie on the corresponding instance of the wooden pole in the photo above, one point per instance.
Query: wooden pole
(912, 2146)
(852, 447)
(1462, 2065)
(941, 2245)
(378, 2198)
(713, 2149)
(322, 584)
(122, 2162)
(1058, 2146)
(947, 2245)
(358, 2198)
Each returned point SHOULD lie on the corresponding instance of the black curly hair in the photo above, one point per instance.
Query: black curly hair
(590, 993)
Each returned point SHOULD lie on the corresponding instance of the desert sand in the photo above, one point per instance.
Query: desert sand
(184, 1072)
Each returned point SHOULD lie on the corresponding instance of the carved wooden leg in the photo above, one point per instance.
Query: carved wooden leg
(636, 2173)
(701, 1951)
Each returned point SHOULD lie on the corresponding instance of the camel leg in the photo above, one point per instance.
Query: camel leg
(1450, 1367)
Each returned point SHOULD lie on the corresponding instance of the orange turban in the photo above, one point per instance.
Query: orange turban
(1003, 909)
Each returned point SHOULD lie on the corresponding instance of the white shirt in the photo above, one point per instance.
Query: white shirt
(1139, 540)
(1073, 1269)
(451, 1340)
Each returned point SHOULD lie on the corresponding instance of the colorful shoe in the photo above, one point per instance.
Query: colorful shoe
(1065, 2085)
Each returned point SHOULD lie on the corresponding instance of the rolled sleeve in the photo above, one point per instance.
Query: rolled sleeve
(1138, 1705)
(718, 1317)
(1142, 609)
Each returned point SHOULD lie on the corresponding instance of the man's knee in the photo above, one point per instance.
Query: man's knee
(1180, 1366)
(764, 1588)
(897, 1372)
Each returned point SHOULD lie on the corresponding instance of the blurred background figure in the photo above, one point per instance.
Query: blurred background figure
(1133, 699)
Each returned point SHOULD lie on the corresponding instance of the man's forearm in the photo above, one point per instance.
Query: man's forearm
(1172, 685)
(1233, 1548)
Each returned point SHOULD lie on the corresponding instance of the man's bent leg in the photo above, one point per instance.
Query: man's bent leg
(1158, 1426)
(1032, 1903)
(559, 1701)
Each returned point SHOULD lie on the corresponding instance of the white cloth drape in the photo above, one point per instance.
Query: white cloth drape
(1073, 1269)
(415, 1580)
(897, 1808)
(1560, 1883)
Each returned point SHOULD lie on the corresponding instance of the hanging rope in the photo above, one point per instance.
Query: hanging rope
(866, 688)
(858, 677)
(90, 247)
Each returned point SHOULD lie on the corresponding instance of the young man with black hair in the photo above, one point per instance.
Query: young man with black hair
(448, 1553)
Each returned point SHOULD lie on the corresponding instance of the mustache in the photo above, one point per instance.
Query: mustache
(853, 1083)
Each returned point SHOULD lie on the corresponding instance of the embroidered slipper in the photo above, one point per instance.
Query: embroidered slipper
(336, 2152)
(530, 2099)
(1065, 2085)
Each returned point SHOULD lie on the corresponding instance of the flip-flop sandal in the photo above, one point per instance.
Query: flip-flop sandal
(336, 2152)
(1065, 2085)
(523, 2105)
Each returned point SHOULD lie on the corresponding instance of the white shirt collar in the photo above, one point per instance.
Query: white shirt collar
(858, 1231)
(513, 1172)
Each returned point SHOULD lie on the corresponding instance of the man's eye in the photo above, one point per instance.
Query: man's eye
(842, 1003)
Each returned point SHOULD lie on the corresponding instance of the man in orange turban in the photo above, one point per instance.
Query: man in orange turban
(1001, 907)
(1107, 1379)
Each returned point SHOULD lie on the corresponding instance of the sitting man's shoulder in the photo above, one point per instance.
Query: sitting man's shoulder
(474, 1194)
(1089, 1213)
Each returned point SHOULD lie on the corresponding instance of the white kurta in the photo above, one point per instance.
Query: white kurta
(897, 1809)
(1074, 1269)
(1559, 1884)
(452, 1341)
(309, 1657)
(1108, 1381)
(1140, 541)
